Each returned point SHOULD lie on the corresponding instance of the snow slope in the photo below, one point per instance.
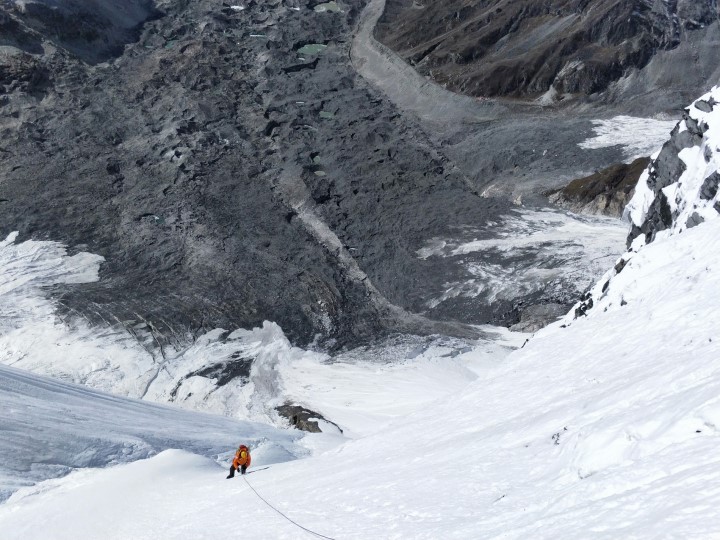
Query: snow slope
(607, 428)
(48, 428)
(364, 390)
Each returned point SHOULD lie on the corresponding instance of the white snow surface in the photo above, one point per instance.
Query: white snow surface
(639, 137)
(606, 428)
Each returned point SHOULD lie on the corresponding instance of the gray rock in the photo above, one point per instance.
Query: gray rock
(694, 220)
(533, 318)
(709, 189)
(704, 106)
(302, 418)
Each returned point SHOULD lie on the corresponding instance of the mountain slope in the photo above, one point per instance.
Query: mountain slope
(233, 166)
(561, 47)
(226, 174)
(604, 424)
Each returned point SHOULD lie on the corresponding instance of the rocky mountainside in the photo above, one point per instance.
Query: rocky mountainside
(556, 48)
(91, 31)
(232, 166)
(229, 165)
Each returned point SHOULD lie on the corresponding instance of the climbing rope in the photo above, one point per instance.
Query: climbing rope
(283, 515)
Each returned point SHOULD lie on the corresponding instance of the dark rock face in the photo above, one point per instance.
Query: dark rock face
(525, 48)
(710, 186)
(663, 171)
(302, 418)
(21, 72)
(694, 220)
(223, 186)
(221, 373)
(605, 192)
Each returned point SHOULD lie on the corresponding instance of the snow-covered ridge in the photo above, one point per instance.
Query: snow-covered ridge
(679, 189)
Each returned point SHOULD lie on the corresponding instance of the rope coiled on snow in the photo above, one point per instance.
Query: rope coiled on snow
(283, 515)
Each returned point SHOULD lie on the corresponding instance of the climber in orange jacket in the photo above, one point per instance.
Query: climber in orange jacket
(241, 461)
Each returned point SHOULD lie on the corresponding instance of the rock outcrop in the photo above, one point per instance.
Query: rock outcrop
(679, 189)
(606, 192)
(304, 419)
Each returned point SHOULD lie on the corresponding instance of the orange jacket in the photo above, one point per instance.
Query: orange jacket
(242, 457)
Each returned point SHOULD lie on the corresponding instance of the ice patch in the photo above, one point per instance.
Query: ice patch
(640, 137)
(529, 252)
(50, 427)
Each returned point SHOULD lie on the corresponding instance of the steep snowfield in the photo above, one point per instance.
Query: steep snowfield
(364, 390)
(606, 428)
